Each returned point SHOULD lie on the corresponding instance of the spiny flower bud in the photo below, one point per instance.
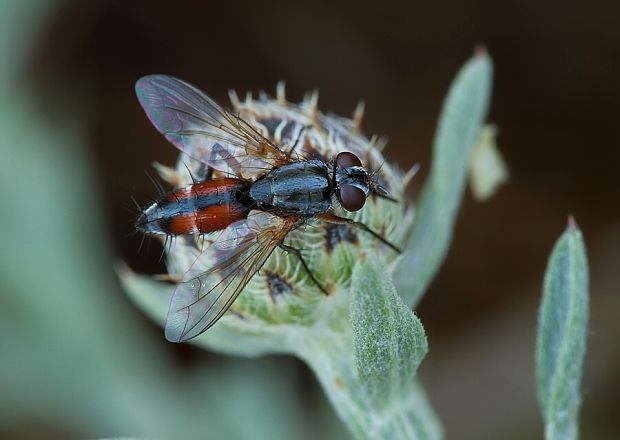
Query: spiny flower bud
(282, 292)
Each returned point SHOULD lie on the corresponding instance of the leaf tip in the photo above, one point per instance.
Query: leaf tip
(571, 224)
(480, 51)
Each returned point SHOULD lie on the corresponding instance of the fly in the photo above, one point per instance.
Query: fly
(267, 194)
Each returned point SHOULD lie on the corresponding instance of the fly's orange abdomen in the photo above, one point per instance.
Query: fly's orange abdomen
(197, 209)
(209, 219)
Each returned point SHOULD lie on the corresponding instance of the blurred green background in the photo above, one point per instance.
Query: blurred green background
(78, 360)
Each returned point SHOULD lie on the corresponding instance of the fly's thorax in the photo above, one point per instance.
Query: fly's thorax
(301, 188)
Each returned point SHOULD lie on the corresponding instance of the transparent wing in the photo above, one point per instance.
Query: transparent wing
(203, 130)
(220, 273)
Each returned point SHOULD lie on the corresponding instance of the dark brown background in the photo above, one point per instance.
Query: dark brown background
(555, 100)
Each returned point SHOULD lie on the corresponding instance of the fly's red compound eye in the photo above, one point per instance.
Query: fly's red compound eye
(351, 197)
(346, 160)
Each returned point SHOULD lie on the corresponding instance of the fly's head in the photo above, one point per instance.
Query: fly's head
(354, 183)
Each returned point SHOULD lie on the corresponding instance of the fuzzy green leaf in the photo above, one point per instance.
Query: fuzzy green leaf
(388, 339)
(464, 111)
(231, 336)
(561, 340)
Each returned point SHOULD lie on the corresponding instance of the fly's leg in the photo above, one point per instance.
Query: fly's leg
(297, 252)
(333, 218)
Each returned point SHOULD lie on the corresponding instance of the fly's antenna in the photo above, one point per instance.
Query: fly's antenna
(377, 189)
(385, 196)
(374, 173)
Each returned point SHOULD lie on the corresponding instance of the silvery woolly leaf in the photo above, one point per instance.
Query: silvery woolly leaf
(388, 339)
(463, 113)
(561, 339)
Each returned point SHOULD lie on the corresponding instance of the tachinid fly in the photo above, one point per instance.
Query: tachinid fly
(261, 192)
